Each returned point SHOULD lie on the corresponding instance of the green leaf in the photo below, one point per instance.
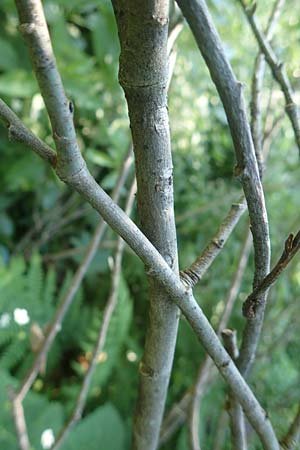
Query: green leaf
(103, 429)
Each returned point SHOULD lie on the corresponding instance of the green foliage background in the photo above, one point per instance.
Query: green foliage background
(44, 228)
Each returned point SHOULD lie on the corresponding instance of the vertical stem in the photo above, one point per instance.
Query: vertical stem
(206, 367)
(237, 422)
(143, 32)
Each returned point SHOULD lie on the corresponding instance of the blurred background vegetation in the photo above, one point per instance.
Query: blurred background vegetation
(45, 228)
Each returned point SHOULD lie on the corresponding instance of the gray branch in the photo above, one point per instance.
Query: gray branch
(204, 372)
(291, 439)
(159, 269)
(18, 132)
(230, 91)
(75, 173)
(191, 276)
(143, 75)
(237, 422)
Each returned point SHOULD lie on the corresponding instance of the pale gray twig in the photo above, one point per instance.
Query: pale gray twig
(18, 132)
(193, 274)
(55, 325)
(291, 248)
(237, 423)
(204, 372)
(221, 428)
(101, 339)
(277, 69)
(257, 83)
(19, 421)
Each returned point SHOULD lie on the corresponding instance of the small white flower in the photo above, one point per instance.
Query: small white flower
(47, 438)
(21, 316)
(131, 356)
(4, 320)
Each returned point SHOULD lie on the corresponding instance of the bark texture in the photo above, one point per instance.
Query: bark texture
(73, 171)
(143, 32)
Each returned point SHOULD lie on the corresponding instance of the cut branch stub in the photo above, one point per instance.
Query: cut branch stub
(291, 247)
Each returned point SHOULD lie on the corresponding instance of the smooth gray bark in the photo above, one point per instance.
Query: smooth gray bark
(85, 184)
(143, 33)
(72, 170)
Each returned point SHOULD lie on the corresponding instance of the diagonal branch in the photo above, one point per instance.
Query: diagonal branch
(18, 132)
(191, 276)
(277, 69)
(157, 266)
(75, 173)
(291, 439)
(178, 413)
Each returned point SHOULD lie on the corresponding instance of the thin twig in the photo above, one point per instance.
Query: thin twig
(291, 439)
(252, 329)
(221, 428)
(50, 215)
(191, 213)
(55, 227)
(205, 370)
(192, 275)
(175, 417)
(230, 91)
(277, 68)
(66, 302)
(237, 422)
(19, 421)
(292, 246)
(174, 30)
(256, 86)
(101, 339)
